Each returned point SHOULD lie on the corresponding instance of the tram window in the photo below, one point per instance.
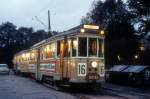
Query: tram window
(101, 48)
(47, 51)
(62, 53)
(53, 47)
(92, 46)
(82, 46)
(58, 48)
(42, 53)
(18, 59)
(50, 50)
(32, 56)
(67, 48)
(74, 47)
(27, 56)
(23, 57)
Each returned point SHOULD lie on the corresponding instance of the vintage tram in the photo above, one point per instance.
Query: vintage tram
(72, 57)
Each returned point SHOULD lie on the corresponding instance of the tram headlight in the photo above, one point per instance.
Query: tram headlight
(94, 64)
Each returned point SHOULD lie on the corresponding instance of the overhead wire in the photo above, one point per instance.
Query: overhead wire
(40, 12)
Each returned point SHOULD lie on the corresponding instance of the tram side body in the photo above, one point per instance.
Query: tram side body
(60, 70)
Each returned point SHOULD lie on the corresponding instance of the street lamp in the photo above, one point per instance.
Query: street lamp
(118, 57)
(136, 56)
(142, 48)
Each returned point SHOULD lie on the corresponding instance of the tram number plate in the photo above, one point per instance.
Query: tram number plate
(92, 76)
(81, 69)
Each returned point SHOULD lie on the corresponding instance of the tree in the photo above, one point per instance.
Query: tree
(7, 33)
(38, 36)
(141, 9)
(120, 43)
(103, 12)
(86, 19)
(115, 19)
(13, 40)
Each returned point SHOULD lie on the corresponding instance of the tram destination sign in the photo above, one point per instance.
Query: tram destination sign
(91, 27)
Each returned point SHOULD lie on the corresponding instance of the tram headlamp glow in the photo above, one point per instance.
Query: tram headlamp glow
(82, 30)
(94, 64)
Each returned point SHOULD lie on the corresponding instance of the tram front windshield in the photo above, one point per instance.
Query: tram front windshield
(90, 47)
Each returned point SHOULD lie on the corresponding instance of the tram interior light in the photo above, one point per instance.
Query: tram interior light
(69, 45)
(47, 48)
(27, 55)
(32, 55)
(53, 47)
(75, 43)
(61, 46)
(23, 56)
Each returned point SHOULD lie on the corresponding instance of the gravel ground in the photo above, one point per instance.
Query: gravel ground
(14, 87)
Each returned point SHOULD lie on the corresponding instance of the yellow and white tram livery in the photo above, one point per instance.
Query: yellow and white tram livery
(75, 56)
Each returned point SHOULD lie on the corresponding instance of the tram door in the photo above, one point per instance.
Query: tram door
(64, 58)
(38, 64)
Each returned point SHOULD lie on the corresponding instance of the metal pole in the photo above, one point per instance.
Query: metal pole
(49, 23)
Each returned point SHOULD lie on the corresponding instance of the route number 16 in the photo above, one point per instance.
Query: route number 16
(81, 69)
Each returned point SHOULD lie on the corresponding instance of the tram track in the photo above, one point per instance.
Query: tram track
(80, 94)
(128, 93)
(113, 93)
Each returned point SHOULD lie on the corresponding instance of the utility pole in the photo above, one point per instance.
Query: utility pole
(49, 23)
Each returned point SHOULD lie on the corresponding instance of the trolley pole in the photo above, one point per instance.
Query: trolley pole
(49, 23)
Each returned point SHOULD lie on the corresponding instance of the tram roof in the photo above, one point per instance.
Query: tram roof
(77, 29)
(70, 32)
(39, 43)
